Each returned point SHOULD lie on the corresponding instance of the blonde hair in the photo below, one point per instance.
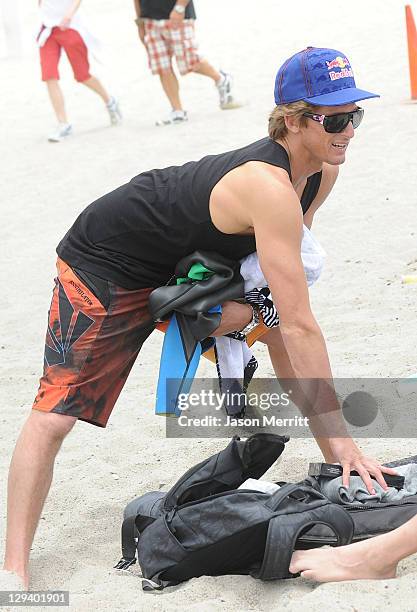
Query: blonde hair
(276, 123)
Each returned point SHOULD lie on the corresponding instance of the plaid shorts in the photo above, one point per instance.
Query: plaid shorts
(163, 42)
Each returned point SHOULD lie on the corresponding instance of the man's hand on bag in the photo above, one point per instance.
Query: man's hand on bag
(235, 316)
(351, 458)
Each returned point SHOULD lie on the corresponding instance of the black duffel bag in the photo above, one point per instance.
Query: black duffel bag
(369, 519)
(205, 526)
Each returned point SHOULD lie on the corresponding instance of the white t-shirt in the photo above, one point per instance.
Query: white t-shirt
(53, 11)
(51, 15)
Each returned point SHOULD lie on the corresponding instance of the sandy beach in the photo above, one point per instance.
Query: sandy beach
(367, 227)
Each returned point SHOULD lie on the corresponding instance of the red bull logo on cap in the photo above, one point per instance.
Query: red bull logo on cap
(345, 69)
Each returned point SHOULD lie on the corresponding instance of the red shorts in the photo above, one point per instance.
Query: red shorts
(75, 48)
(95, 332)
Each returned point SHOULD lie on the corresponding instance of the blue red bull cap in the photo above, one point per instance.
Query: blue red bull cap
(322, 77)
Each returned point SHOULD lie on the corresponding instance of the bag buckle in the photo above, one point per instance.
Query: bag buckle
(124, 564)
(298, 495)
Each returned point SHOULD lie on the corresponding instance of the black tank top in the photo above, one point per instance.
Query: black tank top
(135, 235)
(161, 9)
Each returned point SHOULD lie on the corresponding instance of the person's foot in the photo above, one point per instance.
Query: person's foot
(360, 561)
(62, 131)
(113, 109)
(175, 117)
(224, 87)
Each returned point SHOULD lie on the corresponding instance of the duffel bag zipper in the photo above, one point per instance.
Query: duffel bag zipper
(202, 482)
(172, 510)
(170, 514)
(380, 505)
(190, 472)
(197, 484)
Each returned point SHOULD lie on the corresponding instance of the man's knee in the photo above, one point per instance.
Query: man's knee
(83, 77)
(165, 72)
(53, 425)
(197, 66)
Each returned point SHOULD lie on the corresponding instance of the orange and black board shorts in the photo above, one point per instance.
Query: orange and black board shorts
(95, 332)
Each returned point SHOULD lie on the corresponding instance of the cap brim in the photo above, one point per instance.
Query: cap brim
(340, 97)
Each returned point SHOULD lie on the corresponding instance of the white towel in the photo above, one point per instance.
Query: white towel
(312, 254)
(233, 355)
(357, 492)
(260, 485)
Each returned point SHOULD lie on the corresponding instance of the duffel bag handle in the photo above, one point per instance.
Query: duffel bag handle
(294, 490)
(285, 529)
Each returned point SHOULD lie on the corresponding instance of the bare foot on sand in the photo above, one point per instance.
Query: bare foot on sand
(360, 561)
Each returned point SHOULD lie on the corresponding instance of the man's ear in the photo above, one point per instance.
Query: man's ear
(292, 123)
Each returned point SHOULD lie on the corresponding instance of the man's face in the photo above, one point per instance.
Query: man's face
(323, 146)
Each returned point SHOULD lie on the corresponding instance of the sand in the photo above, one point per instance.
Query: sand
(367, 315)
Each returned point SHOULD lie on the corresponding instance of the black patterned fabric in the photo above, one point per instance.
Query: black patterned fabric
(262, 299)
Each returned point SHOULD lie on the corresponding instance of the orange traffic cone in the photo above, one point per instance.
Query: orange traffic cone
(412, 50)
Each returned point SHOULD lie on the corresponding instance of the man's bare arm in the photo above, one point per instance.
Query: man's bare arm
(273, 339)
(66, 20)
(277, 220)
(137, 8)
(73, 9)
(176, 18)
(139, 21)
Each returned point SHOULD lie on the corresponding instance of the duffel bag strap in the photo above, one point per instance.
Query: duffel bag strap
(296, 491)
(128, 543)
(284, 530)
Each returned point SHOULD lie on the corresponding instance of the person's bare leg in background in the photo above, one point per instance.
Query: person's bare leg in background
(57, 100)
(171, 88)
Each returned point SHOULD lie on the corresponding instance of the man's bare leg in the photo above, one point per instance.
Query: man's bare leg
(30, 477)
(95, 85)
(374, 559)
(57, 100)
(223, 82)
(206, 69)
(111, 103)
(171, 88)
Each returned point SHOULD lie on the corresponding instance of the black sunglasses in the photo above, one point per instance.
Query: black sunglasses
(333, 124)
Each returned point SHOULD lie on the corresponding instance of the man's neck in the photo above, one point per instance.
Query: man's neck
(302, 163)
